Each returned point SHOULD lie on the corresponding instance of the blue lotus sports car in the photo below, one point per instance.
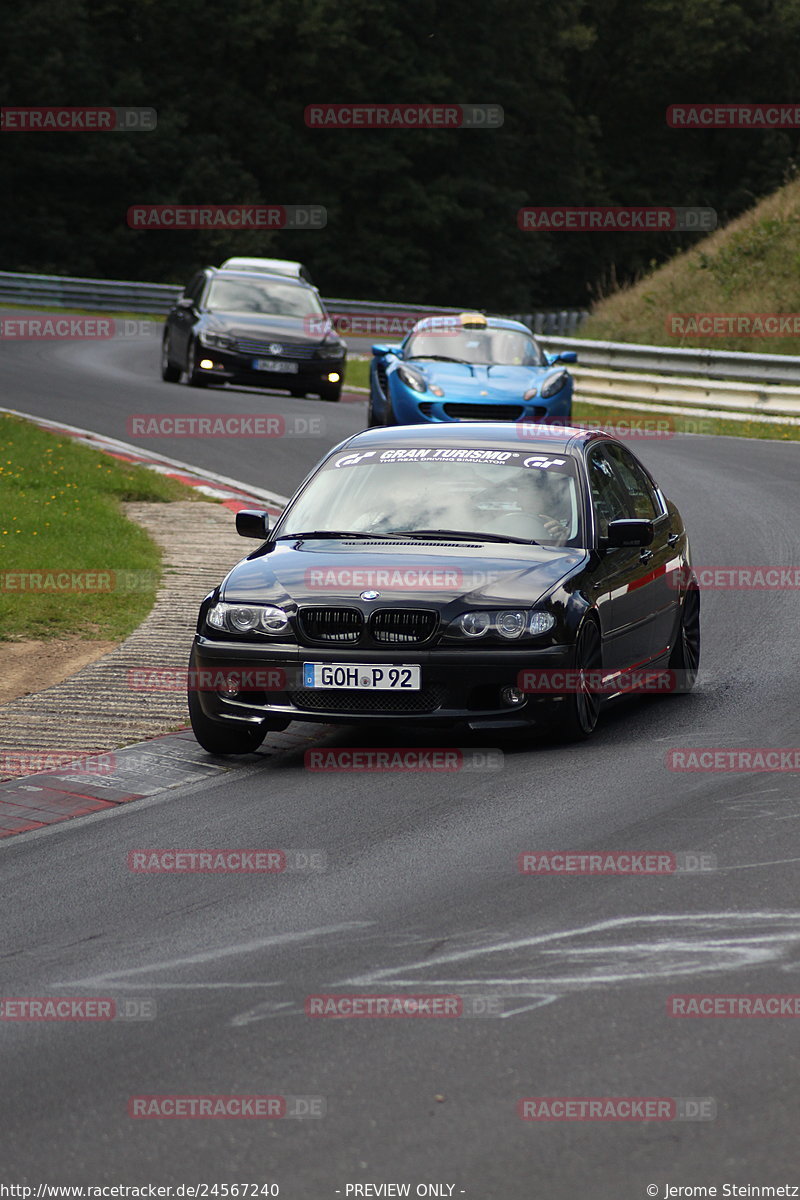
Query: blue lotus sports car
(468, 367)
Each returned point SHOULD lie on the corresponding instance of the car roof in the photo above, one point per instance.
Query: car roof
(262, 276)
(565, 439)
(277, 263)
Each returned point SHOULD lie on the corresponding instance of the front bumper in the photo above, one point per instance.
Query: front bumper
(418, 408)
(459, 686)
(232, 367)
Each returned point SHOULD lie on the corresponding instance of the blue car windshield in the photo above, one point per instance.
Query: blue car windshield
(497, 347)
(270, 299)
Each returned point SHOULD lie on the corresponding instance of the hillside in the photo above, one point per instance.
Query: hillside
(752, 266)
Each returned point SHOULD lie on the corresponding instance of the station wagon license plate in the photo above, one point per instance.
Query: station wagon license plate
(366, 677)
(275, 364)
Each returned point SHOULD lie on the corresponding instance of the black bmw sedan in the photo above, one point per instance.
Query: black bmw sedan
(254, 329)
(483, 575)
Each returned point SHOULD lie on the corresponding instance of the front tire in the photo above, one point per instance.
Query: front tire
(221, 739)
(170, 373)
(194, 376)
(578, 713)
(332, 394)
(685, 657)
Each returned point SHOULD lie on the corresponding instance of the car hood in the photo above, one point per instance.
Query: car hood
(301, 330)
(317, 572)
(478, 382)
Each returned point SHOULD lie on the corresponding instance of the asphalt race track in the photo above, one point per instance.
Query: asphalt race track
(422, 895)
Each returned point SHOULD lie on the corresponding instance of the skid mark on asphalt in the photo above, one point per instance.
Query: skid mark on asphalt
(210, 956)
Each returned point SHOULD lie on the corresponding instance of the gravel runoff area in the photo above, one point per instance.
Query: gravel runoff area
(103, 706)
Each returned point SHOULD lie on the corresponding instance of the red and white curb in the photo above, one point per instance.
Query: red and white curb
(233, 494)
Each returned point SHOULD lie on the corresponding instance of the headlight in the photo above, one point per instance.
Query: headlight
(554, 384)
(508, 623)
(412, 379)
(223, 341)
(248, 618)
(331, 350)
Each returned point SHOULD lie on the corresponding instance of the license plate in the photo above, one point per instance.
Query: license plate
(368, 677)
(275, 364)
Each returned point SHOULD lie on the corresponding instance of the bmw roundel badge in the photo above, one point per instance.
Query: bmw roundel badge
(370, 595)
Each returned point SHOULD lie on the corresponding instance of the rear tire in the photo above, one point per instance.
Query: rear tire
(170, 373)
(685, 656)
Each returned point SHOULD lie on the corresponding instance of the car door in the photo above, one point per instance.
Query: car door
(660, 557)
(625, 605)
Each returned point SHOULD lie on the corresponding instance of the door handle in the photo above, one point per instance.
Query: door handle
(673, 539)
(645, 556)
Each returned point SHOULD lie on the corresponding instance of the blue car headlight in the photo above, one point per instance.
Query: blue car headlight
(412, 379)
(554, 384)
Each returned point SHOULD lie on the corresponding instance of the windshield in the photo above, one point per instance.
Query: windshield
(503, 494)
(270, 299)
(504, 347)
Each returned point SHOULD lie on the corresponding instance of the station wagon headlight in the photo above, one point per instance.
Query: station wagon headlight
(412, 379)
(248, 618)
(223, 341)
(554, 384)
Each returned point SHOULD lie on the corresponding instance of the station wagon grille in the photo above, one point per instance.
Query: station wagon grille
(340, 625)
(261, 346)
(399, 625)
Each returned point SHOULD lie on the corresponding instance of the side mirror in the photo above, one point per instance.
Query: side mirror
(252, 523)
(566, 356)
(629, 532)
(185, 302)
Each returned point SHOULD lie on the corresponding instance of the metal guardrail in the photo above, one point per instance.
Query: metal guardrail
(59, 291)
(711, 364)
(724, 397)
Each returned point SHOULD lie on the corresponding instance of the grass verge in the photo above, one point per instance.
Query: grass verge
(60, 506)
